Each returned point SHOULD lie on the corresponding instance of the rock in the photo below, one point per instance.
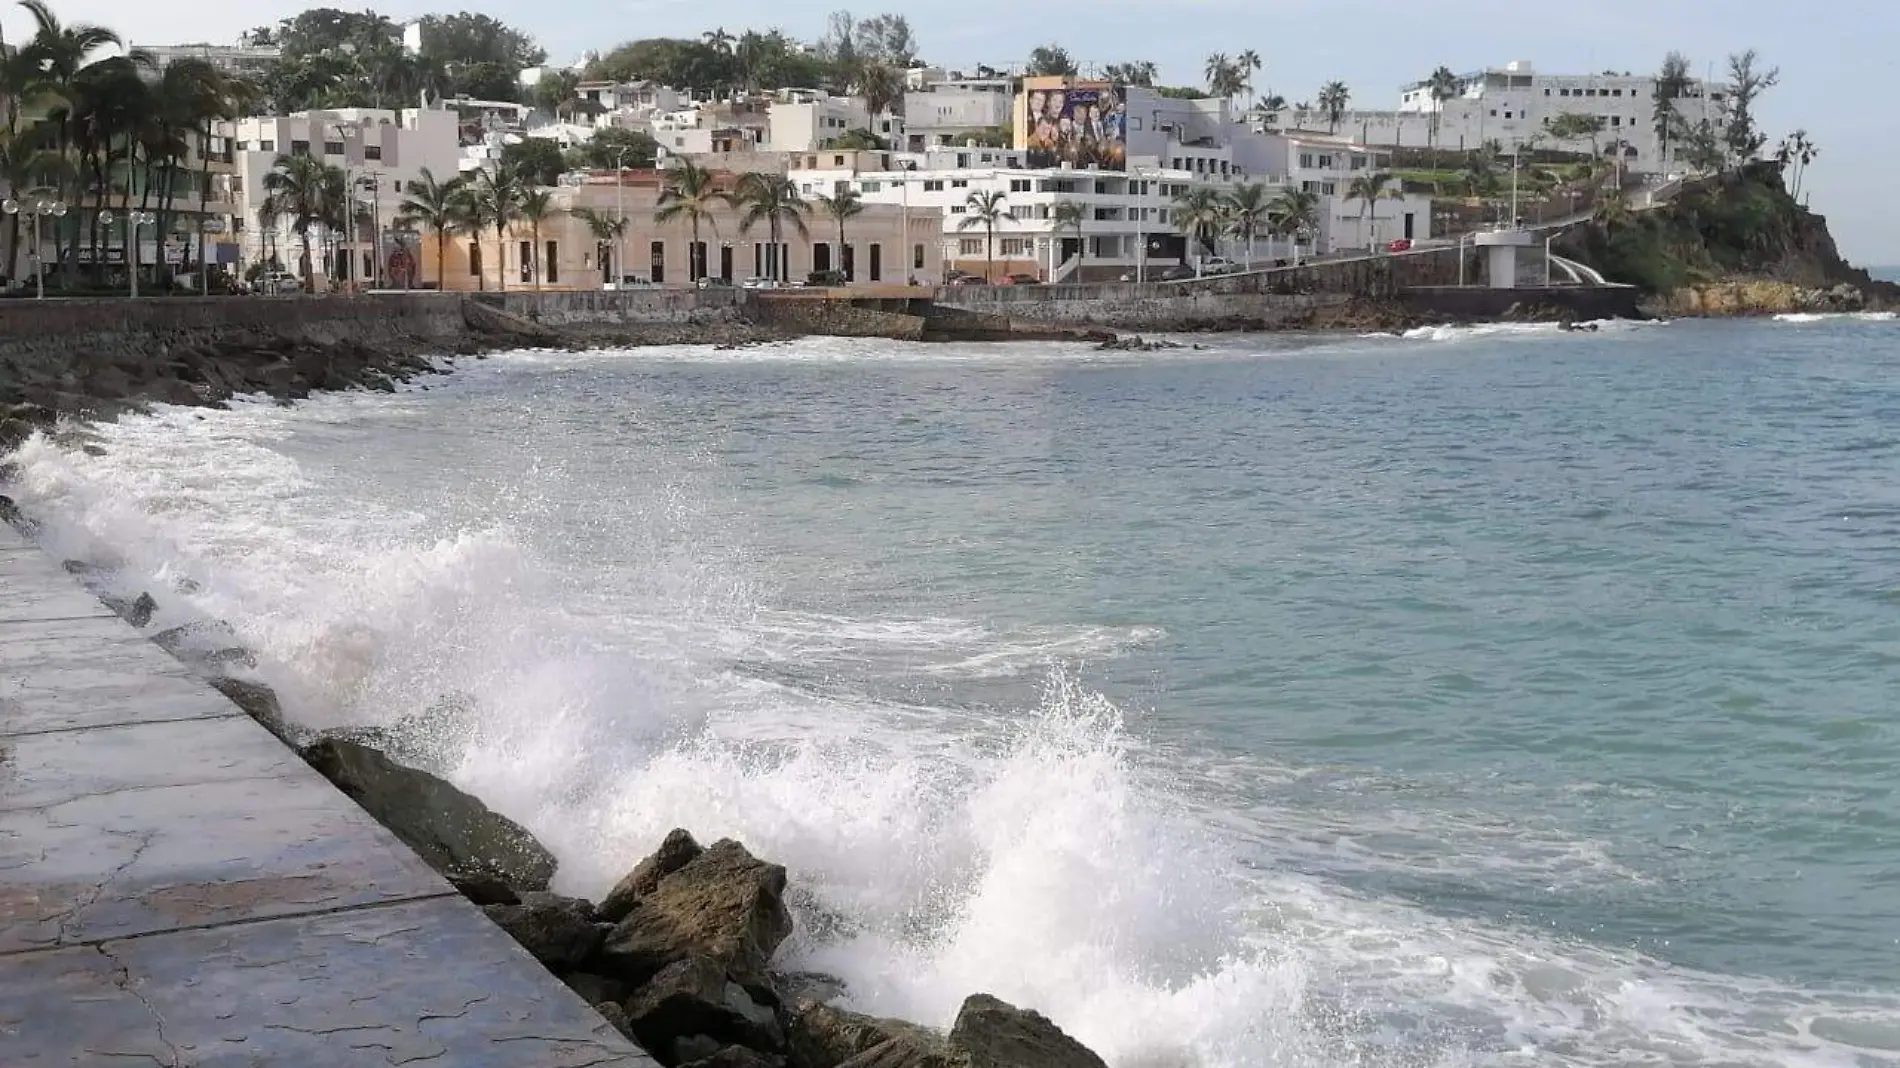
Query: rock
(736, 1057)
(994, 1034)
(678, 850)
(207, 644)
(558, 931)
(693, 996)
(905, 1053)
(260, 701)
(141, 611)
(484, 888)
(10, 513)
(616, 1016)
(451, 830)
(724, 904)
(595, 989)
(824, 1036)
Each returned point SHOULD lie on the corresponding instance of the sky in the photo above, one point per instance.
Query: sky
(1839, 59)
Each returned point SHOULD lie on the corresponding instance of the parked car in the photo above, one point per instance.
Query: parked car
(827, 279)
(1218, 265)
(1020, 279)
(274, 282)
(1177, 273)
(969, 280)
(1403, 244)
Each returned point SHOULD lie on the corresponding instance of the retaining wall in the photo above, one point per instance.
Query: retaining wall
(836, 318)
(595, 307)
(1139, 307)
(1479, 303)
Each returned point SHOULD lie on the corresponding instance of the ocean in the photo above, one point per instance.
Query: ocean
(1482, 696)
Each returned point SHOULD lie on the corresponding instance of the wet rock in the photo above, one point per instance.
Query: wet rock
(10, 513)
(483, 888)
(209, 644)
(724, 904)
(694, 996)
(141, 610)
(824, 1036)
(675, 852)
(560, 932)
(992, 1033)
(260, 701)
(905, 1053)
(616, 1016)
(451, 830)
(595, 989)
(736, 1057)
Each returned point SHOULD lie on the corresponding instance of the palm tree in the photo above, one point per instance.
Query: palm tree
(985, 208)
(1249, 64)
(882, 88)
(607, 230)
(1223, 76)
(1069, 215)
(535, 206)
(438, 206)
(1294, 211)
(299, 188)
(1333, 98)
(841, 205)
(771, 199)
(492, 200)
(1443, 86)
(1201, 214)
(1368, 188)
(1248, 212)
(690, 193)
(58, 53)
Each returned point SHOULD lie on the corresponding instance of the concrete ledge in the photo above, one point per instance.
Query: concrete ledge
(178, 886)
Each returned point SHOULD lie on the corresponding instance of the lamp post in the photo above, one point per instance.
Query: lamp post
(133, 221)
(620, 213)
(34, 204)
(372, 181)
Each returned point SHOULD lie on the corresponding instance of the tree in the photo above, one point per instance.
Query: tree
(1249, 64)
(607, 231)
(556, 90)
(1703, 147)
(300, 188)
(1201, 214)
(984, 208)
(1050, 60)
(1224, 78)
(1248, 215)
(1333, 98)
(1575, 126)
(844, 203)
(690, 193)
(1794, 153)
(61, 59)
(771, 199)
(436, 205)
(858, 141)
(886, 40)
(1293, 212)
(1069, 215)
(1368, 188)
(882, 88)
(493, 201)
(482, 55)
(1746, 84)
(535, 207)
(536, 160)
(615, 146)
(1443, 86)
(1141, 72)
(1671, 83)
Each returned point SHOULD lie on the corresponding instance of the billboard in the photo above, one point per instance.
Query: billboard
(1080, 125)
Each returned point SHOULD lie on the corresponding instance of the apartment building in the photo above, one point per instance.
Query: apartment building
(381, 152)
(249, 60)
(801, 120)
(945, 109)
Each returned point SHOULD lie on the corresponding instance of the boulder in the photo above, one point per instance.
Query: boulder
(905, 1053)
(596, 989)
(260, 701)
(724, 904)
(991, 1033)
(694, 997)
(141, 609)
(558, 931)
(678, 850)
(484, 888)
(209, 644)
(736, 1057)
(451, 830)
(824, 1036)
(616, 1016)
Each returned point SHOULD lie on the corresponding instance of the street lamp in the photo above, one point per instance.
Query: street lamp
(133, 220)
(372, 183)
(33, 205)
(620, 212)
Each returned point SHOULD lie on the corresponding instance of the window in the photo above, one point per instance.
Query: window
(656, 257)
(474, 260)
(959, 183)
(1019, 185)
(1306, 160)
(933, 185)
(333, 148)
(1494, 113)
(300, 148)
(917, 257)
(956, 209)
(870, 187)
(1327, 189)
(527, 261)
(1326, 163)
(877, 262)
(372, 152)
(1616, 120)
(837, 161)
(243, 146)
(1015, 246)
(970, 246)
(549, 271)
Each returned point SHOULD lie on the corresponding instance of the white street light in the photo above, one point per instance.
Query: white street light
(133, 220)
(33, 206)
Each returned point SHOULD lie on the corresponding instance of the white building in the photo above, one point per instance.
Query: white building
(806, 119)
(1513, 105)
(245, 59)
(381, 152)
(946, 109)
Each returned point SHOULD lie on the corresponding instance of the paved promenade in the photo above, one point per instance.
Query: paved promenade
(178, 888)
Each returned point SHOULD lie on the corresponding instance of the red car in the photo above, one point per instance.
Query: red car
(1403, 244)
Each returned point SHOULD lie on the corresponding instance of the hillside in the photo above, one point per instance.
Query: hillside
(1733, 244)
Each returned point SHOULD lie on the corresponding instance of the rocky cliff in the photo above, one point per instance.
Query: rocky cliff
(1732, 244)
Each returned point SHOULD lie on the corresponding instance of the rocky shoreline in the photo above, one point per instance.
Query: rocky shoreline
(679, 955)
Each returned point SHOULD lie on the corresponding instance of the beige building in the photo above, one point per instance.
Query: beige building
(883, 246)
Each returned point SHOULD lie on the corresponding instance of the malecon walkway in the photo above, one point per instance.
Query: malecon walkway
(178, 888)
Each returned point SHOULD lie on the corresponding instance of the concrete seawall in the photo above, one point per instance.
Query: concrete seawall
(178, 887)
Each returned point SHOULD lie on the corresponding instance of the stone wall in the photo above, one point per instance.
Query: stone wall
(798, 314)
(719, 304)
(1481, 303)
(1144, 307)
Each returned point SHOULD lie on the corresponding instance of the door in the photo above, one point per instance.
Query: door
(1408, 226)
(725, 262)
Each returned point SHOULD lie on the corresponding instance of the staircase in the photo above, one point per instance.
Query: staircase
(1066, 270)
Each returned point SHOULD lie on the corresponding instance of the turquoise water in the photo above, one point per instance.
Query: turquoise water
(1483, 696)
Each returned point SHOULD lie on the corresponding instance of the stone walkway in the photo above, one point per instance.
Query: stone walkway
(179, 888)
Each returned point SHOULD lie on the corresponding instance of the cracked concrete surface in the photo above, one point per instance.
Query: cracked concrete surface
(178, 888)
